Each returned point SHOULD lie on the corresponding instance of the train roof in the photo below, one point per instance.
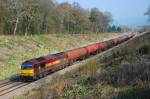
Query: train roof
(42, 59)
(34, 61)
(54, 55)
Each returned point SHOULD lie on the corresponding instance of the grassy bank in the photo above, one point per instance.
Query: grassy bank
(126, 76)
(16, 49)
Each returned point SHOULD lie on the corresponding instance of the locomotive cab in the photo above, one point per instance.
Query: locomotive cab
(27, 71)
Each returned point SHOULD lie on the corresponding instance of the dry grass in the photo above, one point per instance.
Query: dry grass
(16, 49)
(126, 76)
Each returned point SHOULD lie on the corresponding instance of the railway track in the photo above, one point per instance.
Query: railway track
(3, 82)
(7, 86)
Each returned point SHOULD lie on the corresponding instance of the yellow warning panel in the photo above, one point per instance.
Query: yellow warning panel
(27, 72)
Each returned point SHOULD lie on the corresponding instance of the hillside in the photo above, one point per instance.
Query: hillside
(16, 49)
(125, 76)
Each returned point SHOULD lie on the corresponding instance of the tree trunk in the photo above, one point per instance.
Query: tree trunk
(16, 25)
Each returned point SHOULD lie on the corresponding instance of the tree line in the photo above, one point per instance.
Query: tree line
(148, 13)
(26, 17)
(146, 27)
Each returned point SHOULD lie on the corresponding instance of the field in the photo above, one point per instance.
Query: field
(16, 49)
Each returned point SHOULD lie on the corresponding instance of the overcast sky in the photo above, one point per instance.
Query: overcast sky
(125, 12)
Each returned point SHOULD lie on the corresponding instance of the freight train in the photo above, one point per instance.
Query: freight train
(39, 67)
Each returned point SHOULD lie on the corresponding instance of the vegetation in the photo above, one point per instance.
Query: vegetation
(16, 49)
(114, 28)
(124, 77)
(148, 13)
(26, 17)
(146, 27)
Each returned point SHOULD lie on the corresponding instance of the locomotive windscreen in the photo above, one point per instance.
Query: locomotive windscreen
(26, 67)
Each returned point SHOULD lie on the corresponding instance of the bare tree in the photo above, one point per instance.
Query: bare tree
(27, 17)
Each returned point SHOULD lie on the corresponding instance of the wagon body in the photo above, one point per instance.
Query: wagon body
(76, 53)
(102, 46)
(115, 41)
(93, 48)
(109, 43)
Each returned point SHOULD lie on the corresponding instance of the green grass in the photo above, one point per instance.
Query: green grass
(16, 49)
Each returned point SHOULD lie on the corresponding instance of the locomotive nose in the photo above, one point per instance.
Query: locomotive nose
(27, 72)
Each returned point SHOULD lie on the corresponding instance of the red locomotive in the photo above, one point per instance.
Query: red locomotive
(40, 67)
